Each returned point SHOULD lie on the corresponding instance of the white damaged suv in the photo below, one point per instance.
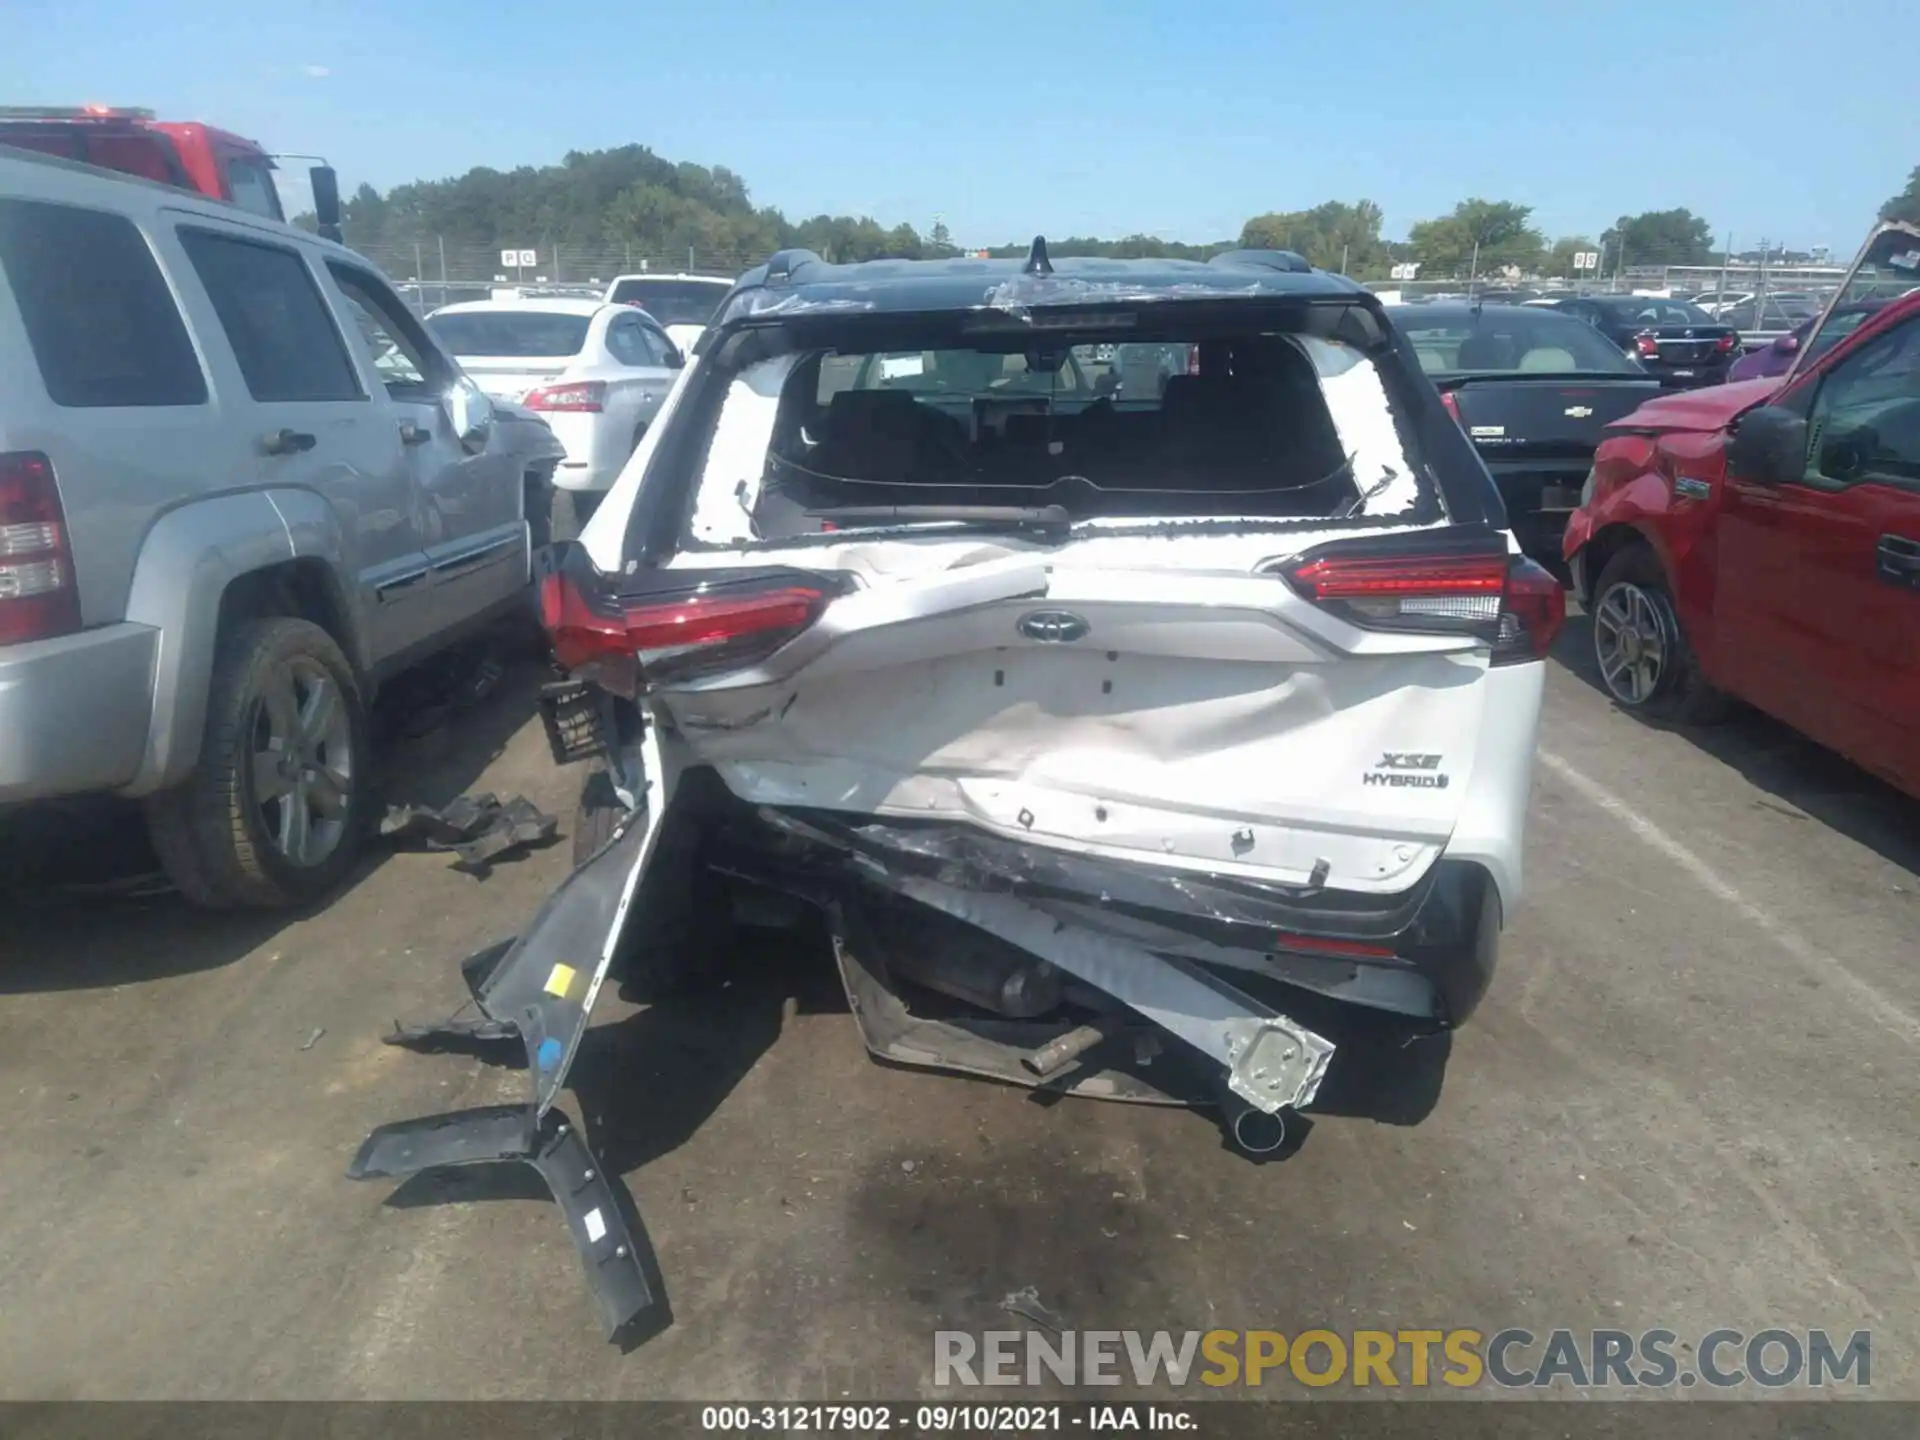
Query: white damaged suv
(1102, 727)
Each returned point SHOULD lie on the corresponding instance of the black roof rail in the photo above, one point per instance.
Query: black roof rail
(1289, 260)
(1037, 261)
(785, 262)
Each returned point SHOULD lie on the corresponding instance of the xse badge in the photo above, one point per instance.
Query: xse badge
(1407, 770)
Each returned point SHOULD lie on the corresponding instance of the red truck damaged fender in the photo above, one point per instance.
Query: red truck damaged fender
(1760, 541)
(1656, 478)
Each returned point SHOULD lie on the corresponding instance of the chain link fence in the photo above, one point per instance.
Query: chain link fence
(432, 272)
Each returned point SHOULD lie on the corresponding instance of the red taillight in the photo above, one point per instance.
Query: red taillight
(1505, 599)
(575, 397)
(1407, 591)
(38, 596)
(1647, 347)
(1726, 343)
(1451, 402)
(1532, 615)
(659, 632)
(582, 633)
(723, 626)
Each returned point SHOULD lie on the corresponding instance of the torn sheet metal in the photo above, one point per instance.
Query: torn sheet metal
(1271, 1062)
(480, 829)
(969, 857)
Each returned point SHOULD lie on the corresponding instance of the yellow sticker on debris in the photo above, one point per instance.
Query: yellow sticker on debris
(560, 981)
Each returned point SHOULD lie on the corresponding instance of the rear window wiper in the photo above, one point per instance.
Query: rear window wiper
(1052, 520)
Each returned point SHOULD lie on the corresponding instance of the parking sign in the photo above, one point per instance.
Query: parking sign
(509, 257)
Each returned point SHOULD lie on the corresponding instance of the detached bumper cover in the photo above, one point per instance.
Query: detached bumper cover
(538, 990)
(554, 1147)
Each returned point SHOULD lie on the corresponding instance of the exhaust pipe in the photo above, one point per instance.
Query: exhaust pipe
(1255, 1132)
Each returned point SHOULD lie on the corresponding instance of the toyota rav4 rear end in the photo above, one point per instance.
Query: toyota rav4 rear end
(1113, 734)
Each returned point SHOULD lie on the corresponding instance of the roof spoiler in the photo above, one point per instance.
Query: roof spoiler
(781, 268)
(1287, 260)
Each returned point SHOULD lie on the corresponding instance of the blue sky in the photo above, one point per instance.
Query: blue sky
(1793, 121)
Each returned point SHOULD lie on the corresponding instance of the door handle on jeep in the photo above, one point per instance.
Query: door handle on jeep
(412, 434)
(1897, 561)
(287, 442)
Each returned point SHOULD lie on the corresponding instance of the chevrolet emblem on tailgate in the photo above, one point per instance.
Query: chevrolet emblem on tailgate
(1577, 412)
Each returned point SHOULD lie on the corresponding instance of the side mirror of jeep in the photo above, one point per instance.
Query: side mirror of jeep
(470, 414)
(1769, 446)
(326, 201)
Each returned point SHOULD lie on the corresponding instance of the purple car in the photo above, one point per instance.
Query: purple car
(1775, 358)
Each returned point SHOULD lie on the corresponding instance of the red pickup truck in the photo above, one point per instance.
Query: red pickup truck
(1761, 540)
(202, 158)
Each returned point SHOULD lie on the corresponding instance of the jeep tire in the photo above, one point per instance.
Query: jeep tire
(278, 807)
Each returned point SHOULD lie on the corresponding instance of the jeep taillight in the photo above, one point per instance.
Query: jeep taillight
(38, 596)
(691, 627)
(1440, 584)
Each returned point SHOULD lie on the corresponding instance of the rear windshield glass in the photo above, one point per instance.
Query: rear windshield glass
(1519, 343)
(672, 302)
(1647, 310)
(511, 332)
(1263, 426)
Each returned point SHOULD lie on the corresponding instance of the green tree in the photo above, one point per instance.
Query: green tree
(1559, 261)
(1659, 237)
(1130, 247)
(939, 244)
(1905, 205)
(902, 243)
(1332, 236)
(1478, 237)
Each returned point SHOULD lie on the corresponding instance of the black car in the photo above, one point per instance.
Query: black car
(1773, 315)
(1677, 341)
(1533, 389)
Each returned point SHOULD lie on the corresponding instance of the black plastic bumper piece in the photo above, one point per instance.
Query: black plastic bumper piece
(554, 1147)
(1455, 938)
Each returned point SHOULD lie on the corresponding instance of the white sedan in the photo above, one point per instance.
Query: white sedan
(682, 303)
(596, 373)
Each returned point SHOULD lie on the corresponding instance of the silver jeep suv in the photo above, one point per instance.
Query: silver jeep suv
(239, 486)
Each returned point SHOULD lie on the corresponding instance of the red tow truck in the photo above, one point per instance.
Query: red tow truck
(186, 153)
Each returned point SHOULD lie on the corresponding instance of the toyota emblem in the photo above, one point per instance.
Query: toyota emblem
(1053, 626)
